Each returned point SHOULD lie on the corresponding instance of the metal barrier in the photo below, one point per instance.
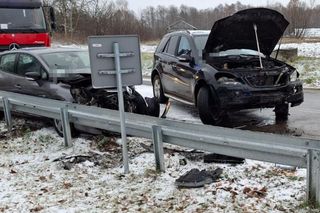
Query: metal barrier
(238, 143)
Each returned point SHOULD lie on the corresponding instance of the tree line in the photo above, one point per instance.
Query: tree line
(78, 19)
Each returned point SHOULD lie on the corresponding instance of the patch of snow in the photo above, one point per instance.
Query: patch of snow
(31, 181)
(309, 32)
(304, 49)
(148, 48)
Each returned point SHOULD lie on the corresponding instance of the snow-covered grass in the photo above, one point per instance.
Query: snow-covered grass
(305, 49)
(30, 180)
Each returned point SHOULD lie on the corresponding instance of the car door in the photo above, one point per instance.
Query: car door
(27, 63)
(8, 81)
(183, 70)
(168, 58)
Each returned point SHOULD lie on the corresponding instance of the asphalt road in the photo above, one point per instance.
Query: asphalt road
(304, 120)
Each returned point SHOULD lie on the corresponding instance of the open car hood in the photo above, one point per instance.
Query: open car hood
(237, 31)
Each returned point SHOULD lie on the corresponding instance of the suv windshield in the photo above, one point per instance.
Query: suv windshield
(200, 42)
(13, 19)
(68, 62)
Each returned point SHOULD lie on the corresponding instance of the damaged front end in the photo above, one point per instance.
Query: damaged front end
(83, 93)
(242, 84)
(239, 49)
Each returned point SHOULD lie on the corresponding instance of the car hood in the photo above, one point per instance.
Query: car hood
(237, 31)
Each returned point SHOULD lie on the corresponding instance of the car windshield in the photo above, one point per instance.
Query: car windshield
(237, 52)
(13, 19)
(68, 62)
(200, 42)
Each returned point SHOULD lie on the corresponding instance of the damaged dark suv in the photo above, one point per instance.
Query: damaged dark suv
(228, 68)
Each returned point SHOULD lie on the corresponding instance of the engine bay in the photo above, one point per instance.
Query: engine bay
(239, 63)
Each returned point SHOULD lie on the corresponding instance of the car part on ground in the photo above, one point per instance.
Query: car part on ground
(217, 158)
(196, 178)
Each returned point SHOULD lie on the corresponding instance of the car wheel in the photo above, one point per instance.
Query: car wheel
(158, 90)
(282, 112)
(209, 110)
(59, 128)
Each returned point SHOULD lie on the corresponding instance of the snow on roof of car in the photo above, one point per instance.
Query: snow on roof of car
(199, 32)
(192, 32)
(44, 50)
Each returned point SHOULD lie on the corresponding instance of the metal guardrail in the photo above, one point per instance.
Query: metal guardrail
(238, 143)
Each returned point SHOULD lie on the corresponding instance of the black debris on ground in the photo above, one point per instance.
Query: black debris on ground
(196, 178)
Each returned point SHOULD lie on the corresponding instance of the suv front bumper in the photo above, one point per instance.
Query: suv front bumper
(239, 97)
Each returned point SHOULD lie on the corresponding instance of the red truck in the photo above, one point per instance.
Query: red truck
(23, 24)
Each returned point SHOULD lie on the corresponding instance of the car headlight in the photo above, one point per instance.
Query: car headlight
(294, 76)
(228, 81)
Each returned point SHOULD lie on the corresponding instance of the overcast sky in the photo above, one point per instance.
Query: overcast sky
(138, 5)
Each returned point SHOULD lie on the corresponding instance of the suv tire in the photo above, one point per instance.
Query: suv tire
(209, 110)
(158, 90)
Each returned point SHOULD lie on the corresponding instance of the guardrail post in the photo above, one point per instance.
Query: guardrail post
(7, 112)
(313, 177)
(158, 148)
(66, 127)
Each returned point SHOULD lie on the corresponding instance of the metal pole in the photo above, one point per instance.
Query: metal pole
(66, 127)
(158, 147)
(7, 112)
(313, 177)
(121, 109)
(258, 45)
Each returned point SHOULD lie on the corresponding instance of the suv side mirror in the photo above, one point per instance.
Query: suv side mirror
(32, 76)
(185, 58)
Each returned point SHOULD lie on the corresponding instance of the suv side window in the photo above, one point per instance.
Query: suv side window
(163, 43)
(7, 63)
(172, 45)
(165, 49)
(184, 46)
(28, 63)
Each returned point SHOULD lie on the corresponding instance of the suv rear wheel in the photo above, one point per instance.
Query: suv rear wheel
(158, 90)
(209, 110)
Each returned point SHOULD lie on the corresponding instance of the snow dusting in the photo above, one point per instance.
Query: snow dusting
(32, 181)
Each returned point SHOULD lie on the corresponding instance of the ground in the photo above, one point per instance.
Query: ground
(33, 180)
(30, 179)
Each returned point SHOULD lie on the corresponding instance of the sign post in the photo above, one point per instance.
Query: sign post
(121, 109)
(115, 62)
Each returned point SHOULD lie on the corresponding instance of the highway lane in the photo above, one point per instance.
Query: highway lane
(304, 120)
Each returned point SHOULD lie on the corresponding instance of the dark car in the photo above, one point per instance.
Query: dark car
(61, 74)
(228, 68)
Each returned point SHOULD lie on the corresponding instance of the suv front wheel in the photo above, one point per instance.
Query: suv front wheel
(158, 90)
(209, 109)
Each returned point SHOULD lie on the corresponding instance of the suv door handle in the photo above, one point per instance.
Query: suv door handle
(17, 86)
